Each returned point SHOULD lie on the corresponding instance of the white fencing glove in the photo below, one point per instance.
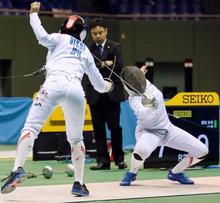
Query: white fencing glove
(109, 85)
(35, 7)
(148, 99)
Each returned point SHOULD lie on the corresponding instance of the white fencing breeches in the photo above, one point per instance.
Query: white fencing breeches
(179, 139)
(176, 138)
(64, 91)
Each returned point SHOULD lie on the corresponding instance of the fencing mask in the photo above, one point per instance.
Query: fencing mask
(74, 26)
(134, 80)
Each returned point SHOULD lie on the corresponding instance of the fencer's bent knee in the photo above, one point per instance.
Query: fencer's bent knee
(137, 156)
(201, 152)
(204, 153)
(142, 152)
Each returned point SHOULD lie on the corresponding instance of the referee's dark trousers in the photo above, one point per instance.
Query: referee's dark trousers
(107, 111)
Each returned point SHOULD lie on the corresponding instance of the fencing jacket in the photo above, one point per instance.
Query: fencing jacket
(67, 54)
(150, 117)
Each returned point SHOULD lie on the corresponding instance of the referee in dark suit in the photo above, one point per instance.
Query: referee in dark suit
(105, 108)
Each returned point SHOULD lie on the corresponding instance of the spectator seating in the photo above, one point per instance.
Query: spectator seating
(176, 7)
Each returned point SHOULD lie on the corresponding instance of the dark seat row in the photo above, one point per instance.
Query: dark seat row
(113, 6)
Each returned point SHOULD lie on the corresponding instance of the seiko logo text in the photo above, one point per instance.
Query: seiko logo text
(198, 98)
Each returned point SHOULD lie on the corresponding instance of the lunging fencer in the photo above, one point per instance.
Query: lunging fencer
(155, 129)
(68, 59)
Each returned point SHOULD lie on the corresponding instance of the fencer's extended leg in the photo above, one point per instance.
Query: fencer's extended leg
(78, 159)
(176, 174)
(73, 108)
(187, 162)
(24, 147)
(182, 140)
(40, 110)
(74, 112)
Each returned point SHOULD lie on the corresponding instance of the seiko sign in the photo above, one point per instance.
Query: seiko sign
(198, 99)
(194, 99)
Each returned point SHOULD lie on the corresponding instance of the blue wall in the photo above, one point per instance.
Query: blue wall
(13, 112)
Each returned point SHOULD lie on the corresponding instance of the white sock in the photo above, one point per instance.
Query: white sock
(24, 146)
(78, 159)
(185, 163)
(135, 164)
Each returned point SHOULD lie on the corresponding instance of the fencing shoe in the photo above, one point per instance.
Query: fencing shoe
(79, 190)
(180, 177)
(13, 181)
(128, 178)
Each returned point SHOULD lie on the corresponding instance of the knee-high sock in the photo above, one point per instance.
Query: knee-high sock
(135, 164)
(24, 147)
(78, 159)
(185, 163)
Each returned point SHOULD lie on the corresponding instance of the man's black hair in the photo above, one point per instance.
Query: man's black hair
(97, 22)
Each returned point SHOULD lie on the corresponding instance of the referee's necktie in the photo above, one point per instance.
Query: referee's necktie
(100, 47)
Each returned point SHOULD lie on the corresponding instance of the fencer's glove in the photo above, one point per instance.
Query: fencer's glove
(109, 85)
(148, 99)
(106, 63)
(35, 7)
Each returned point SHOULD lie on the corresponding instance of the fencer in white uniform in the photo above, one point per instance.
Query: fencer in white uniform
(155, 129)
(67, 60)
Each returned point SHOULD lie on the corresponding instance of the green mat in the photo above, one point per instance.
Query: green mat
(60, 177)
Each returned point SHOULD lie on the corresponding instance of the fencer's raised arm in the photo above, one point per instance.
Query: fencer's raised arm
(45, 39)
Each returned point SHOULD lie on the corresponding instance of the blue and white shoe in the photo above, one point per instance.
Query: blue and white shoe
(14, 180)
(79, 190)
(180, 177)
(128, 178)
